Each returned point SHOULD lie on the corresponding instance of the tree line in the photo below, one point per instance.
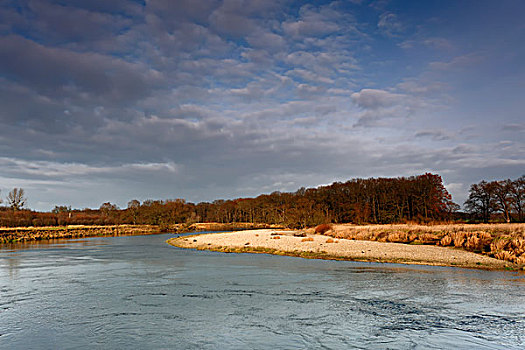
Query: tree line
(421, 198)
(504, 198)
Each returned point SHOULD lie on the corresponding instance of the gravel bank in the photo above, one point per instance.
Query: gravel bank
(325, 247)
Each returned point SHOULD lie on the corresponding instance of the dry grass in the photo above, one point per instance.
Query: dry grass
(501, 241)
(216, 226)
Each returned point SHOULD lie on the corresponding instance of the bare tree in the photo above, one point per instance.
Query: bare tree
(133, 208)
(16, 198)
(503, 197)
(482, 200)
(518, 195)
(108, 208)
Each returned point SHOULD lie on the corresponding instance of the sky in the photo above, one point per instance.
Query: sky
(205, 99)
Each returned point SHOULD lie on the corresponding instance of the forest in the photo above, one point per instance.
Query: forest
(419, 199)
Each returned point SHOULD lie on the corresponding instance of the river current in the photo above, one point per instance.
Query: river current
(137, 292)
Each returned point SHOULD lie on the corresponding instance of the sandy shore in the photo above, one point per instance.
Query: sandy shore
(324, 247)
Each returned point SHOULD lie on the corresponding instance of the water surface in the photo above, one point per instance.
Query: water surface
(137, 292)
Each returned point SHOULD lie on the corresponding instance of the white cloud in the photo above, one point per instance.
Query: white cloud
(375, 99)
(390, 25)
(57, 170)
(458, 63)
(313, 22)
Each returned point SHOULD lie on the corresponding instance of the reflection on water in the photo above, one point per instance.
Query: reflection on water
(138, 292)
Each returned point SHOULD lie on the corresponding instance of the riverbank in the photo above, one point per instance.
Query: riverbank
(27, 234)
(318, 246)
(500, 241)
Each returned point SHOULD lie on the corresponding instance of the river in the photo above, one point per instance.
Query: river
(137, 292)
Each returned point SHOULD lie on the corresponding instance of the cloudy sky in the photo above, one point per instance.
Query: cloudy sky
(206, 99)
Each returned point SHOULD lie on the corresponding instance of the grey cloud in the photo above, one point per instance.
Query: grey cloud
(383, 108)
(129, 7)
(208, 99)
(385, 117)
(309, 75)
(457, 164)
(356, 157)
(516, 127)
(230, 19)
(26, 109)
(186, 41)
(268, 41)
(260, 56)
(61, 23)
(310, 91)
(436, 135)
(11, 20)
(57, 71)
(173, 12)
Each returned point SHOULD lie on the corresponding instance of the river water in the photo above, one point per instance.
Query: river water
(137, 292)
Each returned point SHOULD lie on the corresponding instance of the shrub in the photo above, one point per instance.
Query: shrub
(321, 229)
(307, 239)
(505, 255)
(398, 237)
(428, 238)
(521, 260)
(499, 243)
(458, 238)
(473, 243)
(518, 245)
(446, 241)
